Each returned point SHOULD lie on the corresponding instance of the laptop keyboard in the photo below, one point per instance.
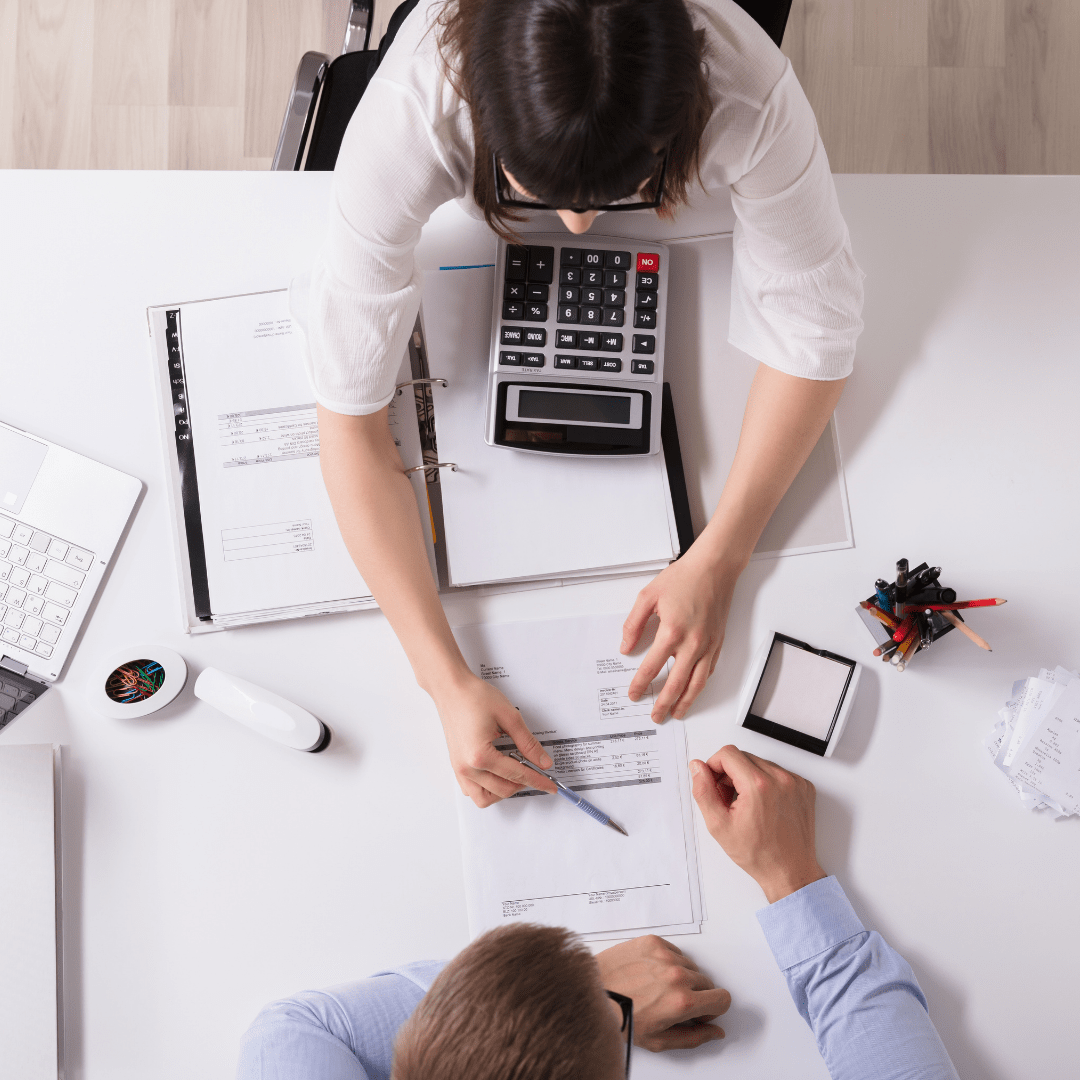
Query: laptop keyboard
(15, 695)
(40, 579)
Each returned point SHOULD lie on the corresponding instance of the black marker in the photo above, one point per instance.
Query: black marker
(901, 580)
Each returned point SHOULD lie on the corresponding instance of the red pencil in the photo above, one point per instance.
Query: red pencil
(960, 605)
(902, 631)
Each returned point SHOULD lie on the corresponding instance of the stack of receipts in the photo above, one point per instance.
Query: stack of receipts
(536, 857)
(1036, 743)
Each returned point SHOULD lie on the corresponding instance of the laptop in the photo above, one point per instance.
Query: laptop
(61, 518)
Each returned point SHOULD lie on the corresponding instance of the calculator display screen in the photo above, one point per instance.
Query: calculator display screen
(583, 408)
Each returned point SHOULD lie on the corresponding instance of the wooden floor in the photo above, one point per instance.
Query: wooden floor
(942, 86)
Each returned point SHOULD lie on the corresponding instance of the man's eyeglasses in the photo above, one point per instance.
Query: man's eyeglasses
(627, 1006)
(506, 195)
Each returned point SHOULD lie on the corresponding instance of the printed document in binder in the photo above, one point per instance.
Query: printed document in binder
(254, 510)
(537, 858)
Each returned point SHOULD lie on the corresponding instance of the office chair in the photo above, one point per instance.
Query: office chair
(326, 92)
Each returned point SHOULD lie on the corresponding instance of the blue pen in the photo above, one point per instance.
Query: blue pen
(582, 804)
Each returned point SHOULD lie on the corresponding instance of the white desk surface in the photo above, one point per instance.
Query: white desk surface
(208, 871)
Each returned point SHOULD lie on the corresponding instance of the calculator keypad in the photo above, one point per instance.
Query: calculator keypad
(581, 291)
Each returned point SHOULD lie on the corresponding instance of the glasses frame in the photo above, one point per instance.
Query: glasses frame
(627, 1006)
(500, 179)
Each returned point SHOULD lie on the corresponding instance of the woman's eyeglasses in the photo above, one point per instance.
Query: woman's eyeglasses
(506, 195)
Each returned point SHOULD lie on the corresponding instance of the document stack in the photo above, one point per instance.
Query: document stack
(1036, 742)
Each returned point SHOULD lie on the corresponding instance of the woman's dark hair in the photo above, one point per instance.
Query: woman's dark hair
(578, 98)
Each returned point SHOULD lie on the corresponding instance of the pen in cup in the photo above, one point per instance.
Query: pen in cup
(582, 804)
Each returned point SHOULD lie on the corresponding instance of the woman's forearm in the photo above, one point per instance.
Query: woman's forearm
(784, 419)
(376, 511)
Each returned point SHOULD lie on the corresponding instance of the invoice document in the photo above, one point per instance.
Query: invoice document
(536, 857)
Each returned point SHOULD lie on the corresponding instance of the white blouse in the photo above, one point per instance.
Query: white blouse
(796, 291)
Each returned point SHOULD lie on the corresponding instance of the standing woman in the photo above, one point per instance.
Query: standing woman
(575, 103)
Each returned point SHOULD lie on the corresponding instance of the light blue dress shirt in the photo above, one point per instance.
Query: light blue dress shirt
(859, 997)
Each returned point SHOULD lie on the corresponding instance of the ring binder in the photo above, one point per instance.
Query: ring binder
(420, 382)
(452, 466)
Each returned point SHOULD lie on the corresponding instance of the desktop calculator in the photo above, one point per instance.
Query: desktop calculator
(577, 345)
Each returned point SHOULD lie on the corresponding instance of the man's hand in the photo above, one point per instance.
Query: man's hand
(673, 1002)
(762, 816)
(692, 598)
(474, 714)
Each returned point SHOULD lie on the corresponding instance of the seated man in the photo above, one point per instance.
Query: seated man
(531, 1002)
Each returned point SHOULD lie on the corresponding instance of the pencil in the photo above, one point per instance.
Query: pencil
(966, 630)
(906, 646)
(879, 614)
(960, 605)
(905, 628)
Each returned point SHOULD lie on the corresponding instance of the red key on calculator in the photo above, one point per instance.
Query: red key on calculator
(646, 261)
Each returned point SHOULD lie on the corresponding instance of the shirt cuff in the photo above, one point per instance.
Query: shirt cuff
(817, 917)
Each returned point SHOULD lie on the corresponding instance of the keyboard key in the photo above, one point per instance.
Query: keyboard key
(514, 290)
(591, 316)
(648, 281)
(588, 340)
(614, 316)
(569, 313)
(35, 561)
(645, 320)
(614, 297)
(541, 264)
(592, 258)
(33, 604)
(40, 541)
(50, 613)
(565, 361)
(7, 527)
(510, 358)
(37, 585)
(15, 598)
(535, 336)
(536, 292)
(614, 279)
(49, 633)
(569, 294)
(22, 535)
(60, 594)
(43, 649)
(533, 359)
(610, 363)
(611, 342)
(57, 549)
(536, 312)
(81, 560)
(511, 335)
(31, 626)
(642, 367)
(566, 339)
(617, 260)
(26, 642)
(592, 296)
(646, 298)
(569, 275)
(3, 589)
(647, 261)
(587, 363)
(14, 619)
(19, 555)
(5, 570)
(67, 575)
(5, 547)
(11, 635)
(570, 257)
(592, 277)
(513, 309)
(644, 343)
(20, 576)
(517, 259)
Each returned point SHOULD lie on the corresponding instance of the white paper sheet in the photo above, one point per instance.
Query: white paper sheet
(536, 857)
(510, 515)
(1049, 760)
(269, 532)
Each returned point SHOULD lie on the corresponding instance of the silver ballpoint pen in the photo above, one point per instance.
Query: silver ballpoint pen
(582, 804)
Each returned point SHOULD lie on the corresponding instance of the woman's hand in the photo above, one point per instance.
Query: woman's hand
(691, 598)
(474, 714)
